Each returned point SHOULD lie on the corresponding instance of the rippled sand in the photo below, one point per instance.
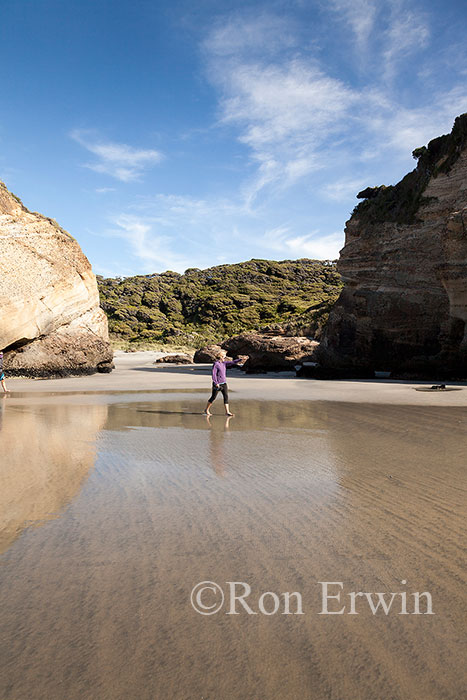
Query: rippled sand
(113, 506)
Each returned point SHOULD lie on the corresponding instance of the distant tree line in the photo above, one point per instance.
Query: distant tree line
(207, 306)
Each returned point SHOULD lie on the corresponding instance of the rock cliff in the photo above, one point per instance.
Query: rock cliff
(50, 319)
(403, 308)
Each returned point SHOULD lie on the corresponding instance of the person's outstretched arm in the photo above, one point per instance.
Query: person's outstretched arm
(231, 363)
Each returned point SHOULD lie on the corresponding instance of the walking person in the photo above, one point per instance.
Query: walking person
(2, 375)
(219, 381)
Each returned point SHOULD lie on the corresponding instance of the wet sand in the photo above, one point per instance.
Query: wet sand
(117, 497)
(137, 372)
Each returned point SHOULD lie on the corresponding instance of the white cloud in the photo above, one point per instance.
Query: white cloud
(360, 15)
(281, 241)
(176, 232)
(296, 119)
(155, 250)
(284, 107)
(318, 247)
(285, 113)
(303, 128)
(408, 32)
(343, 190)
(313, 136)
(245, 33)
(282, 104)
(393, 30)
(177, 211)
(293, 116)
(118, 160)
(400, 130)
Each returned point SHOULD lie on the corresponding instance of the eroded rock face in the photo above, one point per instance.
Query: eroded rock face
(50, 319)
(404, 305)
(209, 353)
(270, 353)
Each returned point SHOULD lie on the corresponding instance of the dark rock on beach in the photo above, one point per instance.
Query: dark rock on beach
(270, 353)
(207, 354)
(180, 359)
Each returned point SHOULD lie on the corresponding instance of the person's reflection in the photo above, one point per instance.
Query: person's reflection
(217, 435)
(2, 408)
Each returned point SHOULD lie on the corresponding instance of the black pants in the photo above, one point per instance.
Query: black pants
(215, 391)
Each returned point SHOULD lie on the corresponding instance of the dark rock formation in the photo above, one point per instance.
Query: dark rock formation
(370, 192)
(207, 354)
(404, 304)
(50, 319)
(180, 359)
(270, 353)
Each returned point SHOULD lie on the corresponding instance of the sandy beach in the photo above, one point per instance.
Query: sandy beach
(118, 498)
(136, 372)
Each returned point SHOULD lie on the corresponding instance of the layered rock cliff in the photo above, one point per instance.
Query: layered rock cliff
(404, 304)
(50, 319)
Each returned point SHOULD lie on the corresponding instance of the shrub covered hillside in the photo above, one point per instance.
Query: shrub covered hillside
(204, 306)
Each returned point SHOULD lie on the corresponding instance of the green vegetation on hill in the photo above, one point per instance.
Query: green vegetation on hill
(207, 306)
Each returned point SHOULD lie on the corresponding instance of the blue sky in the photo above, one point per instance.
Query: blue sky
(166, 135)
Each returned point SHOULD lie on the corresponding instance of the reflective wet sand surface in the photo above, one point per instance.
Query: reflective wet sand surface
(114, 506)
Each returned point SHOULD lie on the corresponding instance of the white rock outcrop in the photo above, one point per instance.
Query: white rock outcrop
(50, 319)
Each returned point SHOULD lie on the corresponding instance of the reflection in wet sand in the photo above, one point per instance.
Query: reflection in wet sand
(95, 604)
(217, 435)
(45, 457)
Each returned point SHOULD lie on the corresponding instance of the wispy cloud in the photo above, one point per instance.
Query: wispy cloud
(243, 32)
(160, 229)
(155, 250)
(118, 160)
(176, 232)
(360, 15)
(398, 129)
(296, 118)
(390, 32)
(315, 120)
(407, 33)
(343, 190)
(282, 104)
(282, 242)
(285, 107)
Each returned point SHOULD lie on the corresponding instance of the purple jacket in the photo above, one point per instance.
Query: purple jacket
(219, 368)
